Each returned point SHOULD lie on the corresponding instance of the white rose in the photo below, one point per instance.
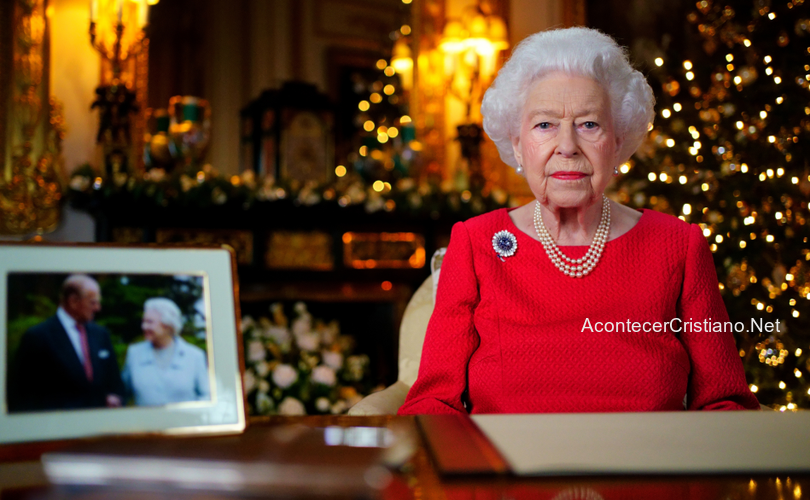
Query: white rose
(322, 404)
(256, 351)
(277, 334)
(339, 407)
(333, 360)
(247, 322)
(262, 368)
(322, 374)
(284, 376)
(302, 325)
(291, 406)
(309, 341)
(249, 380)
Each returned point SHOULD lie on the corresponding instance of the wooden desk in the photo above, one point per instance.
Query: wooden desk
(417, 479)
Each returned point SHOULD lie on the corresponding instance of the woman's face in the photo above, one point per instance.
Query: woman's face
(566, 144)
(154, 331)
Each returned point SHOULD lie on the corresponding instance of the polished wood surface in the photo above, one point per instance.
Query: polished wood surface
(418, 478)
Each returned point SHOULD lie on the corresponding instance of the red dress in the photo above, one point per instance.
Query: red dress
(521, 337)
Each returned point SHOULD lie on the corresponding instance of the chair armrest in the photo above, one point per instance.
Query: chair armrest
(385, 402)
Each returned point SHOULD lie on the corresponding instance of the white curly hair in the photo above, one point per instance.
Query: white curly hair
(576, 51)
(170, 314)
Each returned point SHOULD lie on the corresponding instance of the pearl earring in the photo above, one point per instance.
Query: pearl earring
(615, 170)
(519, 169)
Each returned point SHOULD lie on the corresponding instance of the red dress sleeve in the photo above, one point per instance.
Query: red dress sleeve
(451, 337)
(717, 380)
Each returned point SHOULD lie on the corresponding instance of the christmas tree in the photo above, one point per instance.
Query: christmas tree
(729, 151)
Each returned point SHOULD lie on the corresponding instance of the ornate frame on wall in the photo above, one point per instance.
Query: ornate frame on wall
(31, 123)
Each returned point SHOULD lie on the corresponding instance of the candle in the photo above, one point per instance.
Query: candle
(120, 11)
(143, 14)
(93, 10)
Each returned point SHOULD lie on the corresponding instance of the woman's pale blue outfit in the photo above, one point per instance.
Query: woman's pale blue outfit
(153, 381)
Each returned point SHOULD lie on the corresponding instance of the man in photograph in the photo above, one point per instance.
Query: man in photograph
(67, 361)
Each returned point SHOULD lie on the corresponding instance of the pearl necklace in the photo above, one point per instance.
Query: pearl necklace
(575, 268)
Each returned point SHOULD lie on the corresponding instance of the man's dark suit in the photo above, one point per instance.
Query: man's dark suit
(47, 373)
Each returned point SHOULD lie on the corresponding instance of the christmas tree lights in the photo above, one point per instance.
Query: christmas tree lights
(730, 150)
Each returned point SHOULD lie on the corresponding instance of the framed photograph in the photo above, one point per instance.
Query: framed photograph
(102, 340)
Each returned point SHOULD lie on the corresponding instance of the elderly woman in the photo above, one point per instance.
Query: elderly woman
(164, 368)
(573, 302)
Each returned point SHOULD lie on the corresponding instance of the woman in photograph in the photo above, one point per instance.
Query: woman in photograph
(574, 302)
(164, 368)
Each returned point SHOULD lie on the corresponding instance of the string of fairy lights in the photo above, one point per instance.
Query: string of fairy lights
(733, 132)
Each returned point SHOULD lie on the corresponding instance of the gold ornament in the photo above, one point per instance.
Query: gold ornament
(30, 188)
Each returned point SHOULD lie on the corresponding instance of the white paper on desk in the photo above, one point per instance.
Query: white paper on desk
(651, 443)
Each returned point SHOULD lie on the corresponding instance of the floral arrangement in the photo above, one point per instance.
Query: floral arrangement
(205, 187)
(301, 367)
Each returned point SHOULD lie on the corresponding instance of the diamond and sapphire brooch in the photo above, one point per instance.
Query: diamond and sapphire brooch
(504, 243)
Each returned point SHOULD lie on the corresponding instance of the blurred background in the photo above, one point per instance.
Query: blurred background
(333, 143)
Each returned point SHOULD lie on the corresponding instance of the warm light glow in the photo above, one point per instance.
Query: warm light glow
(777, 80)
(782, 385)
(388, 89)
(375, 98)
(737, 80)
(719, 238)
(729, 57)
(405, 29)
(659, 62)
(386, 285)
(405, 119)
(624, 168)
(392, 132)
(682, 179)
(368, 126)
(753, 388)
(666, 113)
(378, 186)
(763, 114)
(687, 65)
(340, 170)
(676, 107)
(687, 208)
(670, 143)
(381, 64)
(389, 71)
(382, 138)
(771, 16)
(363, 105)
(771, 139)
(744, 168)
(690, 76)
(651, 176)
(739, 125)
